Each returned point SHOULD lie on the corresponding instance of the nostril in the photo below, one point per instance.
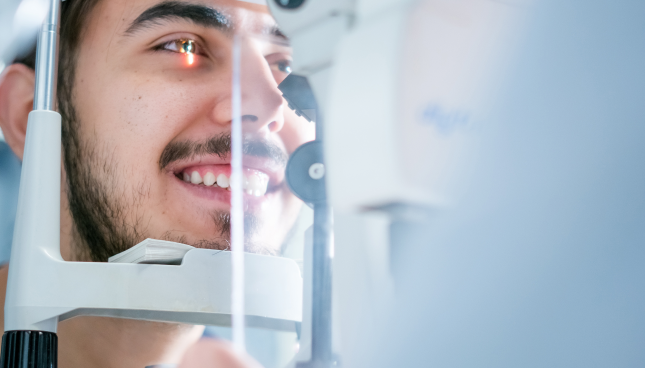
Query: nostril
(249, 118)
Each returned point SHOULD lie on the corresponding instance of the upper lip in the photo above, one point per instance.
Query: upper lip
(269, 166)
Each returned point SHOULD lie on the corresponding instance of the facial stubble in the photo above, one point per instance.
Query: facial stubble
(108, 218)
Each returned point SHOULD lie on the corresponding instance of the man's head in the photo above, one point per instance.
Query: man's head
(145, 96)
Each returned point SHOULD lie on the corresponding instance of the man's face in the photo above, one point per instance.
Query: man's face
(153, 98)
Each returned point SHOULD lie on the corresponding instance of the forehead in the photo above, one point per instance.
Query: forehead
(126, 16)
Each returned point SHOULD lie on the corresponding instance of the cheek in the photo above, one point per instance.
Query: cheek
(139, 118)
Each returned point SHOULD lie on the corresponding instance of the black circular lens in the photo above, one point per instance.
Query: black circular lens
(289, 4)
(304, 172)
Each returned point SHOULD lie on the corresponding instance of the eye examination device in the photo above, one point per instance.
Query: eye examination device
(475, 180)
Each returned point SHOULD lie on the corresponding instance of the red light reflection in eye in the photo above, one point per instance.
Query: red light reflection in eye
(190, 57)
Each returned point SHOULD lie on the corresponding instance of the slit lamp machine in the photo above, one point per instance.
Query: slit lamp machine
(349, 77)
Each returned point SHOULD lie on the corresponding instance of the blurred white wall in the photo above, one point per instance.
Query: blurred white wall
(542, 262)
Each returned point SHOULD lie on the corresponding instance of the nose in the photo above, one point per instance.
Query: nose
(262, 103)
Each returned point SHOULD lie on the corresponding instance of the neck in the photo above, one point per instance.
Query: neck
(120, 343)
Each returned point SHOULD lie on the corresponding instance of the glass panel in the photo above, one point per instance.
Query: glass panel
(268, 222)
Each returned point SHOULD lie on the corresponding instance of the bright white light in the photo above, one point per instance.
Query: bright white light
(237, 210)
(1, 136)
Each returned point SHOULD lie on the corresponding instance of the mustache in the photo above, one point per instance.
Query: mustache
(220, 145)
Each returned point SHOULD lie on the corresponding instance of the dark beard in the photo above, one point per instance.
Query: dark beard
(100, 229)
(99, 208)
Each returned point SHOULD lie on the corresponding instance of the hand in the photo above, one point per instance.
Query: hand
(212, 353)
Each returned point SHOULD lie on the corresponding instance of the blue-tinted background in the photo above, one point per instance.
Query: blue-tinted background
(9, 180)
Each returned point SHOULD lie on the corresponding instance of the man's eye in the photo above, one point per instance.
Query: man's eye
(280, 69)
(182, 46)
(284, 66)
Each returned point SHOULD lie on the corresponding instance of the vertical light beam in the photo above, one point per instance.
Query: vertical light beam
(237, 210)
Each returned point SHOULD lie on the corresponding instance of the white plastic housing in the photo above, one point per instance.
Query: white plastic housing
(304, 342)
(405, 85)
(43, 289)
(47, 290)
(309, 15)
(313, 30)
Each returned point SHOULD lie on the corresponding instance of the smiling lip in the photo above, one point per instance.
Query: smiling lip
(267, 166)
(207, 177)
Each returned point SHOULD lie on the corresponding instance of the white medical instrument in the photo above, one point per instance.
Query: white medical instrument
(43, 289)
(541, 264)
(541, 261)
(374, 119)
(397, 89)
(19, 24)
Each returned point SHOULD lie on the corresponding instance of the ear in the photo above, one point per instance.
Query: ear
(16, 102)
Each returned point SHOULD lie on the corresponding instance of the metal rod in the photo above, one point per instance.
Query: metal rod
(322, 355)
(321, 347)
(47, 60)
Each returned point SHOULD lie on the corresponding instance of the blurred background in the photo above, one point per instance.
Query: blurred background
(9, 181)
(19, 21)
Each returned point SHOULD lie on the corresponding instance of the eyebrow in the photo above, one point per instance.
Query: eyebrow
(174, 10)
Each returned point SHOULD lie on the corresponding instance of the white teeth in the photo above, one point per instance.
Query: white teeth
(222, 181)
(195, 178)
(231, 181)
(254, 183)
(254, 180)
(209, 179)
